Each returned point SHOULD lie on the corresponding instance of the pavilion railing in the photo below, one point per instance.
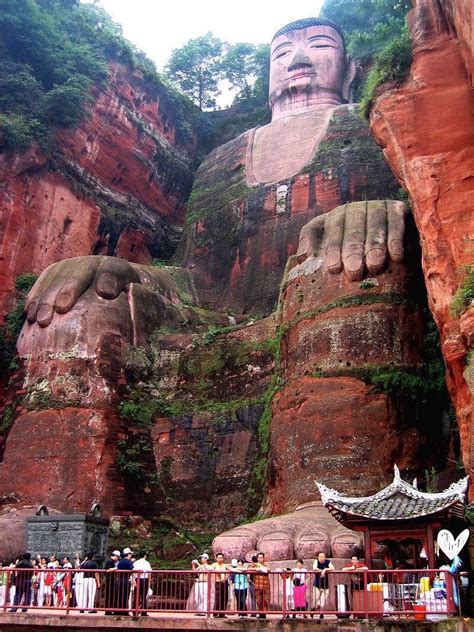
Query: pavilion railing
(418, 594)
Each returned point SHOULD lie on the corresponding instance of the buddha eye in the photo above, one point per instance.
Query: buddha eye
(322, 46)
(282, 54)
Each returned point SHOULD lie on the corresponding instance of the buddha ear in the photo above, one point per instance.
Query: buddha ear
(349, 77)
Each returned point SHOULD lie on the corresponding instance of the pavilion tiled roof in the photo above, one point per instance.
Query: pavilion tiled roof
(397, 501)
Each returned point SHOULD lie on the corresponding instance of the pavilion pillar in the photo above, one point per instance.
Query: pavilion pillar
(430, 546)
(368, 548)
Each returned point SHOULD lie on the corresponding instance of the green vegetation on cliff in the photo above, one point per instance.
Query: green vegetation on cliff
(377, 37)
(464, 296)
(53, 51)
(391, 64)
(368, 25)
(14, 321)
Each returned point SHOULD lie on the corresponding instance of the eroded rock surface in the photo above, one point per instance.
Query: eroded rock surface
(195, 402)
(425, 128)
(239, 232)
(117, 185)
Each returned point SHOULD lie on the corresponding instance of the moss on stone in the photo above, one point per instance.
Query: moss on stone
(7, 417)
(259, 471)
(347, 141)
(210, 200)
(353, 300)
(464, 296)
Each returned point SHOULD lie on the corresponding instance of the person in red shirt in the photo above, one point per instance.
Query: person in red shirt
(357, 579)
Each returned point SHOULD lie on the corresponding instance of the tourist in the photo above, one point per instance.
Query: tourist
(65, 581)
(232, 604)
(287, 577)
(111, 582)
(357, 579)
(34, 583)
(142, 565)
(3, 584)
(12, 581)
(241, 585)
(56, 586)
(253, 601)
(23, 578)
(261, 582)
(321, 566)
(88, 583)
(221, 585)
(300, 576)
(123, 581)
(41, 574)
(48, 580)
(201, 587)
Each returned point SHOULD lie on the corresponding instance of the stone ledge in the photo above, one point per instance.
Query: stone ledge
(43, 622)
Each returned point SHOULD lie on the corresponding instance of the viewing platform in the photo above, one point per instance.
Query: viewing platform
(40, 622)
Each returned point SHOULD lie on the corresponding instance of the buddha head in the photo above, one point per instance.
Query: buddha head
(309, 67)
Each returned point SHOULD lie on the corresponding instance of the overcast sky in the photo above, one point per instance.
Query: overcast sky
(158, 26)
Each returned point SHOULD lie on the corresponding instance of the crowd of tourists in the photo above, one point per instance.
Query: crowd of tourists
(242, 586)
(245, 587)
(48, 582)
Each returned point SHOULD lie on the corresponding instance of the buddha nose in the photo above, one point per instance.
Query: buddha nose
(300, 60)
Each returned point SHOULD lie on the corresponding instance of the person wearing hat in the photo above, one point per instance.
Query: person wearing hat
(201, 587)
(111, 582)
(124, 568)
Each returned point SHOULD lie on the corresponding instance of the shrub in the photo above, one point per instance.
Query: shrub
(25, 282)
(65, 104)
(14, 322)
(464, 296)
(392, 64)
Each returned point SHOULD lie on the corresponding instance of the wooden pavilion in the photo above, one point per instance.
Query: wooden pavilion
(400, 514)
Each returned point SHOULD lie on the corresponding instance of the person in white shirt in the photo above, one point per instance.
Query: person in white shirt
(201, 586)
(142, 565)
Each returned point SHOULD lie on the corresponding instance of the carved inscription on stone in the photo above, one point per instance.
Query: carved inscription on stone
(65, 535)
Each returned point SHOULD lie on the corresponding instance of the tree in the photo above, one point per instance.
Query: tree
(262, 62)
(240, 67)
(66, 103)
(52, 51)
(367, 24)
(196, 69)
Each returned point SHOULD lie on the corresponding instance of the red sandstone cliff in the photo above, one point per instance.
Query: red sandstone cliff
(115, 185)
(425, 127)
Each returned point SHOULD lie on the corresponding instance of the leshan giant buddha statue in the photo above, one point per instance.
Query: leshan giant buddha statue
(310, 79)
(258, 201)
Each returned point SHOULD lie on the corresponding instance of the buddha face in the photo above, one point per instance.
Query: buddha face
(308, 67)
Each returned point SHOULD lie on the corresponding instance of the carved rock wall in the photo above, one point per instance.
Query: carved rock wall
(238, 238)
(329, 422)
(67, 446)
(116, 185)
(426, 131)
